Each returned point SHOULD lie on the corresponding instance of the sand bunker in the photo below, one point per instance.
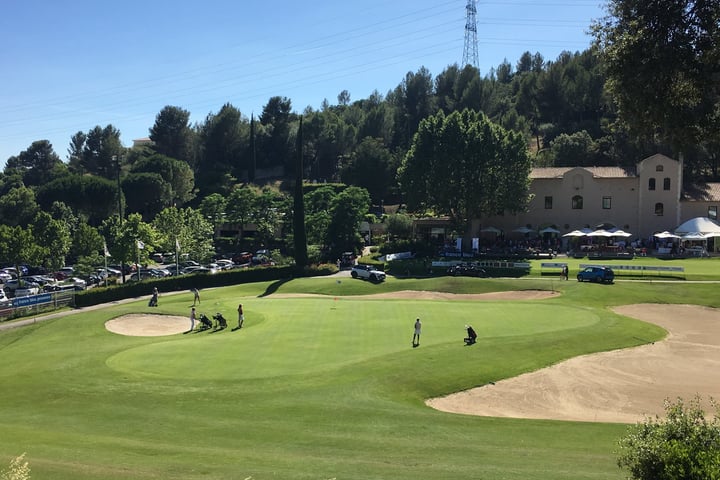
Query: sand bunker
(618, 386)
(144, 325)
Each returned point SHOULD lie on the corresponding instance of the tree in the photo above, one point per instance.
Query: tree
(17, 247)
(347, 210)
(171, 134)
(213, 208)
(187, 228)
(577, 149)
(94, 198)
(370, 167)
(240, 204)
(18, 206)
(86, 241)
(685, 445)
(122, 239)
(662, 61)
(37, 165)
(98, 152)
(176, 173)
(146, 193)
(268, 216)
(221, 142)
(465, 166)
(53, 237)
(299, 231)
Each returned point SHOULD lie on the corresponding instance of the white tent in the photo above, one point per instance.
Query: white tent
(700, 225)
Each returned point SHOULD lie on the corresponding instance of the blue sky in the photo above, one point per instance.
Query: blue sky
(71, 65)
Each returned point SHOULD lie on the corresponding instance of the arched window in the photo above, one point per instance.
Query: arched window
(659, 209)
(666, 183)
(577, 202)
(651, 184)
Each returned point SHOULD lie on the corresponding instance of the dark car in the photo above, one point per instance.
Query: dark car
(596, 274)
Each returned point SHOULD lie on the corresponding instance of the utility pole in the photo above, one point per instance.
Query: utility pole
(470, 51)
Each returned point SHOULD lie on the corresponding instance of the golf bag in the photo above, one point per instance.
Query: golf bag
(205, 322)
(220, 321)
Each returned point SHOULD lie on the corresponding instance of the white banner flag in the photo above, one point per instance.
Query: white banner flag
(106, 252)
(140, 244)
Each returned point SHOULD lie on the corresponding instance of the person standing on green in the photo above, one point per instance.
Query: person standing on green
(416, 334)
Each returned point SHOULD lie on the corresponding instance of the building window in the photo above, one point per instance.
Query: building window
(659, 209)
(712, 212)
(548, 203)
(651, 184)
(607, 203)
(666, 183)
(577, 202)
(658, 168)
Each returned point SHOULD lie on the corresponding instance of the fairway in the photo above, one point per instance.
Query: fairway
(314, 387)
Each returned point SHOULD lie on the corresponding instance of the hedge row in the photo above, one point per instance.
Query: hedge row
(99, 295)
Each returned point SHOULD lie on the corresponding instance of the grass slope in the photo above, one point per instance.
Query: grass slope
(312, 388)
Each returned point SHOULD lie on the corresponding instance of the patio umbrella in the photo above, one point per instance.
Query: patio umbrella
(665, 234)
(600, 233)
(575, 233)
(523, 230)
(548, 230)
(491, 230)
(620, 233)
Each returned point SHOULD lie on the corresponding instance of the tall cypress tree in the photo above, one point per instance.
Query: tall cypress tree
(300, 235)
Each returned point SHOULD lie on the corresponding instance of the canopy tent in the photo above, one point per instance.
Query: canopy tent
(693, 236)
(699, 225)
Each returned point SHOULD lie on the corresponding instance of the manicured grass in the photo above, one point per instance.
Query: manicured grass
(314, 388)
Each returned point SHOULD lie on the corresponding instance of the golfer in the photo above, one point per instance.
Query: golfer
(196, 294)
(241, 316)
(416, 334)
(192, 320)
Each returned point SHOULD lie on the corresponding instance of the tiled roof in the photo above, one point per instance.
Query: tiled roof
(706, 192)
(597, 172)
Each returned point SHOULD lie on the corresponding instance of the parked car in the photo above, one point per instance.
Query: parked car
(12, 285)
(26, 290)
(242, 258)
(367, 272)
(596, 274)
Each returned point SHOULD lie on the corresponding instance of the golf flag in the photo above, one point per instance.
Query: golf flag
(106, 252)
(140, 245)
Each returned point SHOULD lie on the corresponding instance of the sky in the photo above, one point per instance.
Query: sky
(70, 65)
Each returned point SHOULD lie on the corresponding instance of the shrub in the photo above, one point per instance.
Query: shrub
(685, 445)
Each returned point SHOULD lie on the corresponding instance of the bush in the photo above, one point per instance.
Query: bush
(186, 282)
(685, 445)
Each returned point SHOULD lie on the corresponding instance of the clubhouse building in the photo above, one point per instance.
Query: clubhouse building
(643, 200)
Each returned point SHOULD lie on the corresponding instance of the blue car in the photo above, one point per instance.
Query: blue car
(596, 274)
